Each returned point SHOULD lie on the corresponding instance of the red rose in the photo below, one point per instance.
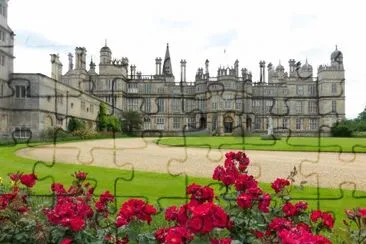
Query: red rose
(289, 209)
(28, 180)
(315, 215)
(362, 212)
(221, 241)
(171, 213)
(66, 241)
(106, 197)
(264, 202)
(244, 200)
(77, 224)
(328, 220)
(80, 175)
(15, 176)
(279, 184)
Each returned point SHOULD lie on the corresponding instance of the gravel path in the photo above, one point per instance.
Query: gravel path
(334, 170)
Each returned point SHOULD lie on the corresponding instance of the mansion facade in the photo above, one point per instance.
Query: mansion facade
(227, 102)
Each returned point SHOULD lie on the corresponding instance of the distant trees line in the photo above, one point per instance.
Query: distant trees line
(350, 127)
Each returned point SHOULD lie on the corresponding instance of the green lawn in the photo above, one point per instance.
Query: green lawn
(157, 188)
(307, 144)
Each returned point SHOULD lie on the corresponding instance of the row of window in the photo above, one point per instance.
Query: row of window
(299, 123)
(3, 10)
(177, 123)
(2, 60)
(2, 35)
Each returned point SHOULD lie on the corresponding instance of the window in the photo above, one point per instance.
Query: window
(132, 88)
(312, 90)
(177, 123)
(82, 106)
(227, 103)
(59, 121)
(147, 124)
(2, 60)
(160, 123)
(91, 108)
(161, 90)
(147, 105)
(313, 124)
(285, 123)
(147, 88)
(334, 88)
(132, 104)
(300, 90)
(22, 132)
(257, 123)
(176, 105)
(161, 107)
(238, 104)
(298, 124)
(192, 122)
(2, 35)
(299, 107)
(214, 105)
(20, 92)
(1, 89)
(60, 99)
(334, 106)
(312, 107)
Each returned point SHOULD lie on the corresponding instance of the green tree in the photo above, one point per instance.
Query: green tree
(341, 129)
(114, 124)
(75, 124)
(102, 118)
(131, 121)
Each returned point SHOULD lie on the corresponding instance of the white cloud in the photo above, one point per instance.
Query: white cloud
(249, 31)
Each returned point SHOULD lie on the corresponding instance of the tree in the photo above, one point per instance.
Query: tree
(75, 124)
(341, 129)
(102, 118)
(114, 124)
(131, 121)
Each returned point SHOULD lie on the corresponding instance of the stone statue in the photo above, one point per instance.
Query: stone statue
(270, 126)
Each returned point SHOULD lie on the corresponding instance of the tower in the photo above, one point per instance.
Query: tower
(105, 55)
(6, 44)
(167, 65)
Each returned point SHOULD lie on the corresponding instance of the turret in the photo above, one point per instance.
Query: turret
(56, 67)
(167, 66)
(105, 55)
(80, 58)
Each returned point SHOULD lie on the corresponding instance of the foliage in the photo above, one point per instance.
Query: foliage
(107, 122)
(75, 124)
(350, 127)
(131, 121)
(356, 225)
(102, 118)
(341, 130)
(241, 211)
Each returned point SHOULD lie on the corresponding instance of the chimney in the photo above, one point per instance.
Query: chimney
(157, 66)
(184, 70)
(56, 67)
(206, 67)
(236, 67)
(71, 65)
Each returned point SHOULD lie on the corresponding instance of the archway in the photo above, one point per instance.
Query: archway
(228, 124)
(203, 123)
(249, 124)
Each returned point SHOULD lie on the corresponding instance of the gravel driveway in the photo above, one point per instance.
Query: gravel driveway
(334, 170)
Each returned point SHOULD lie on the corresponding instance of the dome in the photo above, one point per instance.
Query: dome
(280, 67)
(105, 49)
(336, 55)
(307, 66)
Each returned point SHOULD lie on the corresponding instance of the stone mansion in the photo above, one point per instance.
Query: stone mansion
(296, 101)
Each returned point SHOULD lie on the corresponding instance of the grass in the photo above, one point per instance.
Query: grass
(162, 189)
(304, 144)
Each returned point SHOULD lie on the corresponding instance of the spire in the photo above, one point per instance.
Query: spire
(167, 66)
(105, 42)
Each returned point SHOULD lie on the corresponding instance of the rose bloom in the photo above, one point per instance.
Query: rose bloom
(279, 184)
(315, 215)
(362, 212)
(28, 180)
(80, 175)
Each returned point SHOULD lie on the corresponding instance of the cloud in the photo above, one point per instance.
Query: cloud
(35, 40)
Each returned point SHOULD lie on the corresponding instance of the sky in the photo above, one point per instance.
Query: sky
(220, 31)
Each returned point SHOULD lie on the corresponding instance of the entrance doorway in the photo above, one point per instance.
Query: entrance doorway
(203, 123)
(228, 125)
(249, 124)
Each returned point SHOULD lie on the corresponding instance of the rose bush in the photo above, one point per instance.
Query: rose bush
(240, 212)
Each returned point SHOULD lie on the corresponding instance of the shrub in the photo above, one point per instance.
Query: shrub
(75, 124)
(241, 212)
(340, 130)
